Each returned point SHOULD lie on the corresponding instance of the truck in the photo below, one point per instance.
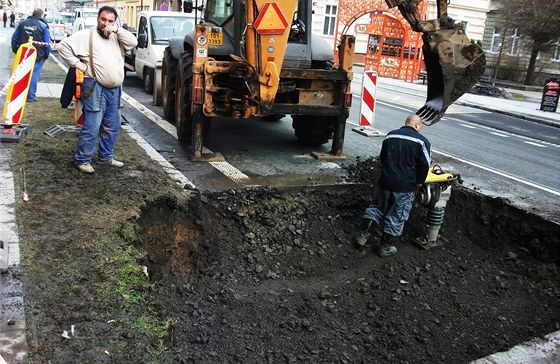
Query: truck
(258, 58)
(154, 29)
(84, 18)
(67, 19)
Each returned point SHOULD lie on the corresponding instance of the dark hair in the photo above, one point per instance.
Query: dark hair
(109, 9)
(37, 12)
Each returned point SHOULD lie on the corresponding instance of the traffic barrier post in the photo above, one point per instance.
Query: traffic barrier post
(16, 90)
(367, 106)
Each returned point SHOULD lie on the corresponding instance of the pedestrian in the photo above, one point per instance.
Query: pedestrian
(12, 20)
(99, 53)
(5, 18)
(405, 161)
(34, 26)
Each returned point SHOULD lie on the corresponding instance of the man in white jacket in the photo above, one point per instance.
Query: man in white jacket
(99, 53)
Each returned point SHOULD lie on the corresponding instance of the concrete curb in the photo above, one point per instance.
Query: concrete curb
(536, 351)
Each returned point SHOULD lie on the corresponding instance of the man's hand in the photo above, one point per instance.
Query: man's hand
(110, 29)
(82, 67)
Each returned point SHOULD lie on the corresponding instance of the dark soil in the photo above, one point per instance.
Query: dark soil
(488, 90)
(262, 275)
(265, 275)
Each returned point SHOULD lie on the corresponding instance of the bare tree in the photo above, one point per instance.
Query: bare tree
(539, 20)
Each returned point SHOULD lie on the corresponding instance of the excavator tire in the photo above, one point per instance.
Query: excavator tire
(183, 115)
(168, 80)
(313, 130)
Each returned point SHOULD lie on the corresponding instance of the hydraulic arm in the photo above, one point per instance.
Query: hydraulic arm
(453, 63)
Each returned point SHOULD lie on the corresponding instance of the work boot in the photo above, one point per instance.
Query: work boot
(366, 228)
(385, 247)
(112, 162)
(85, 168)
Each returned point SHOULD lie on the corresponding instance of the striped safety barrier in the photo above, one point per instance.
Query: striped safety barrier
(16, 96)
(367, 108)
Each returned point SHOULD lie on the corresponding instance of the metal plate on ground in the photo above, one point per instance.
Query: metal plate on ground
(62, 130)
(13, 133)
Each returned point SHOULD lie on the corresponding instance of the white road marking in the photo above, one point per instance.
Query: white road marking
(535, 144)
(493, 130)
(171, 171)
(529, 140)
(499, 134)
(224, 167)
(500, 173)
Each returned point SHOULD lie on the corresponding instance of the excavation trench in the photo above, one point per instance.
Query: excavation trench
(263, 274)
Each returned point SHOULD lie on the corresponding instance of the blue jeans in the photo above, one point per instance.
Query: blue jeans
(390, 208)
(102, 121)
(34, 80)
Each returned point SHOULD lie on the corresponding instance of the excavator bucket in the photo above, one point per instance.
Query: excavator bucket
(453, 65)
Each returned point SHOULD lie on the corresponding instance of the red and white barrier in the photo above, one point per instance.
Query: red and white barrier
(18, 88)
(367, 110)
(367, 107)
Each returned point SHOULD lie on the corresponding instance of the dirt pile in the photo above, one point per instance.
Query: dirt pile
(261, 274)
(488, 90)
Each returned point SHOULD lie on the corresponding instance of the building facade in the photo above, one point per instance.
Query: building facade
(508, 51)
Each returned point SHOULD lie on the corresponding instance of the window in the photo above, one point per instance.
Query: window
(496, 41)
(330, 20)
(556, 54)
(515, 41)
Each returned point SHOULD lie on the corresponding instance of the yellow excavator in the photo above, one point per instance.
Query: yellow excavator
(258, 58)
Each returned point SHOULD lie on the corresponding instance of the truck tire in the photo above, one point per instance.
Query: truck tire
(183, 101)
(149, 80)
(313, 130)
(168, 80)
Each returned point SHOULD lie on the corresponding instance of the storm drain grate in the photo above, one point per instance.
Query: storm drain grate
(62, 130)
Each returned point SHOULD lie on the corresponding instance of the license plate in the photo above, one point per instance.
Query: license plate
(215, 39)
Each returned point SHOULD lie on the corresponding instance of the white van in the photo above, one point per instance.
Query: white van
(155, 28)
(84, 18)
(67, 20)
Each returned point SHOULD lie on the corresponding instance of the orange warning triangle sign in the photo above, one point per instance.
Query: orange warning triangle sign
(270, 20)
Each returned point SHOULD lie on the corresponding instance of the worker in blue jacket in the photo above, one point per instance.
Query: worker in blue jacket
(405, 160)
(34, 26)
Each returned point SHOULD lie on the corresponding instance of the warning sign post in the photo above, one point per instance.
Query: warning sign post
(367, 108)
(16, 96)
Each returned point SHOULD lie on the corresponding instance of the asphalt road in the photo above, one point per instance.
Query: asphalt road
(492, 150)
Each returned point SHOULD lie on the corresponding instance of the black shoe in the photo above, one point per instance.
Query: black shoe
(362, 239)
(386, 250)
